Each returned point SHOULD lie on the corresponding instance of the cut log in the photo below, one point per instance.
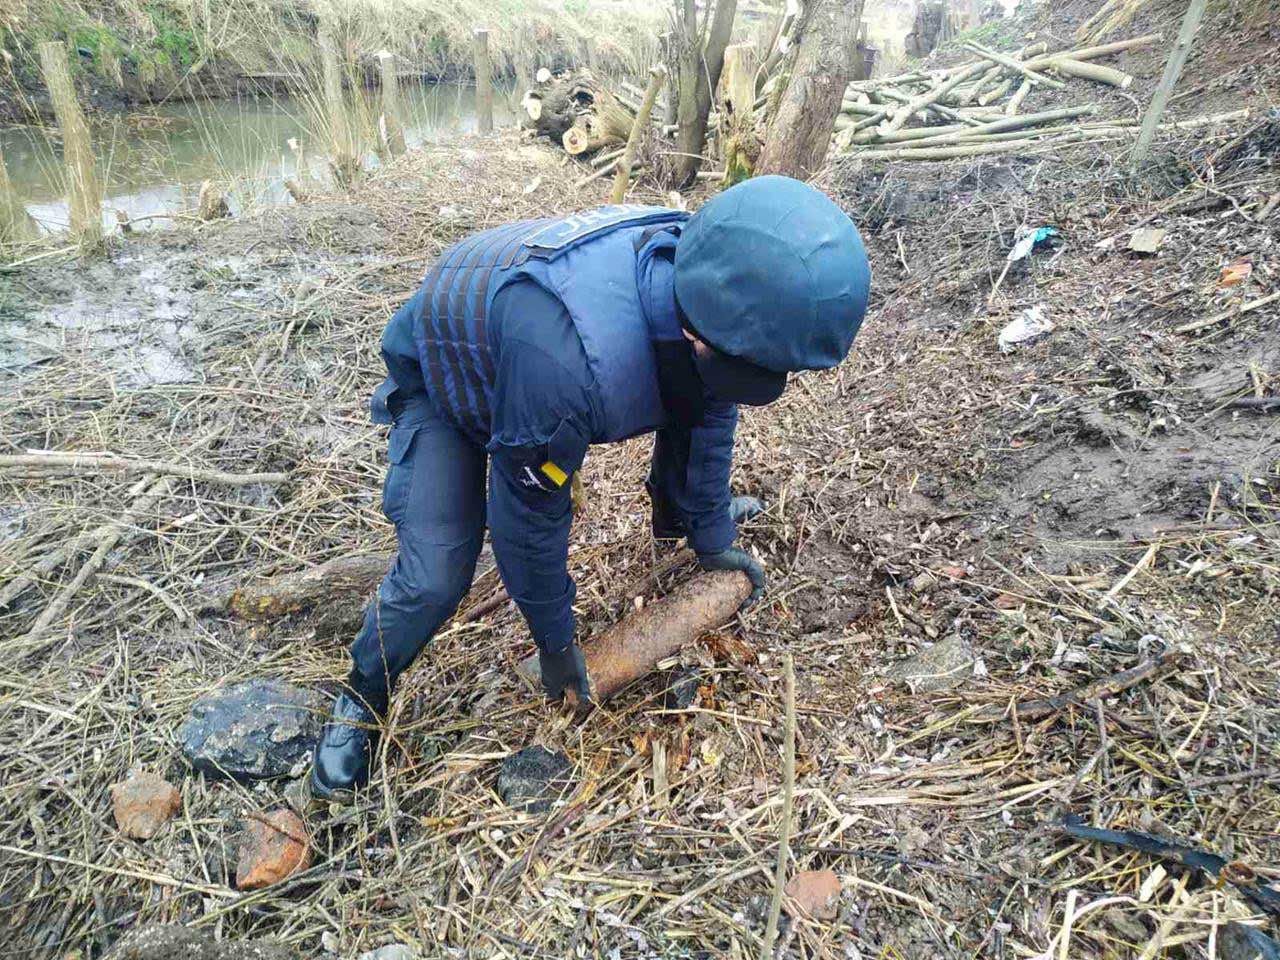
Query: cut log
(1120, 16)
(904, 113)
(212, 204)
(632, 647)
(1094, 53)
(580, 139)
(342, 582)
(578, 100)
(967, 94)
(1092, 71)
(991, 96)
(946, 153)
(1012, 64)
(1015, 102)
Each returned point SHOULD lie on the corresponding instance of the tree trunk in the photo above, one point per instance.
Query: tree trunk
(699, 75)
(799, 134)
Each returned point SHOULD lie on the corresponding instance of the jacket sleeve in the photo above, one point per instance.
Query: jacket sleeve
(692, 465)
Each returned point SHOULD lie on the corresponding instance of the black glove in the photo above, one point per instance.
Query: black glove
(736, 559)
(744, 509)
(568, 668)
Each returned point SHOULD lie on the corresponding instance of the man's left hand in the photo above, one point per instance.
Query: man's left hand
(737, 559)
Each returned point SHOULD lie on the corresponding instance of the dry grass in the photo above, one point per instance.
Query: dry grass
(926, 451)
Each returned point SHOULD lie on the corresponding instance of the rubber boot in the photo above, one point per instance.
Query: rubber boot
(344, 753)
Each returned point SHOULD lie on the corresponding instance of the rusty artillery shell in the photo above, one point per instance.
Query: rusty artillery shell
(633, 646)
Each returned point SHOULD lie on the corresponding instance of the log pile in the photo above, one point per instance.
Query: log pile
(971, 109)
(578, 111)
(975, 107)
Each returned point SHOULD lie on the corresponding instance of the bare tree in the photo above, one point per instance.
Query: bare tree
(825, 58)
(699, 55)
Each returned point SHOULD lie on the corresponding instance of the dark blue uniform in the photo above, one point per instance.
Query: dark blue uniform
(520, 396)
(532, 341)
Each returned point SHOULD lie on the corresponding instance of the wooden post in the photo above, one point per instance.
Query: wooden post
(85, 189)
(737, 99)
(656, 77)
(1172, 70)
(15, 223)
(391, 125)
(345, 163)
(484, 81)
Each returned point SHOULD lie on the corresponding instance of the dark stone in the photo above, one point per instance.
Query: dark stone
(1238, 942)
(682, 688)
(534, 778)
(253, 731)
(163, 942)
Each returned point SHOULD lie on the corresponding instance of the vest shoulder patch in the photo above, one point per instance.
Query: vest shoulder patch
(573, 229)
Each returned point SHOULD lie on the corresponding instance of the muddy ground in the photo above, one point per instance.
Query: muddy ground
(932, 496)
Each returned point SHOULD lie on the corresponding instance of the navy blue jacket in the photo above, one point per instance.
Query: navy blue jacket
(533, 394)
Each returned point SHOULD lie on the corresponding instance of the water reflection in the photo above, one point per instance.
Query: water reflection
(153, 161)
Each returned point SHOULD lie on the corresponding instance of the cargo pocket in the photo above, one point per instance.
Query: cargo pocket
(399, 480)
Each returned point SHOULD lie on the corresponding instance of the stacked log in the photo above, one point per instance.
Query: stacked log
(577, 111)
(974, 105)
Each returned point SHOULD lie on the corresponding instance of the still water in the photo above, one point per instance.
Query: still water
(153, 161)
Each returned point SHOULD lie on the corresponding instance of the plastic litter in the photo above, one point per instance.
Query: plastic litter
(1028, 240)
(1031, 323)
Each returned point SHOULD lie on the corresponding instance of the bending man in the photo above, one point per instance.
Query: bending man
(530, 342)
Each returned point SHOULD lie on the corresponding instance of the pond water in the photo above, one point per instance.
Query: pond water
(153, 161)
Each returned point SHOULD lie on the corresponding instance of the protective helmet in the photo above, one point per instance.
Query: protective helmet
(772, 272)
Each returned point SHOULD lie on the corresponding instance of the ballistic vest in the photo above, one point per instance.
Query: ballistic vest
(592, 263)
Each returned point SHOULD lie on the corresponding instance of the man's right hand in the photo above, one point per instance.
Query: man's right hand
(736, 558)
(566, 669)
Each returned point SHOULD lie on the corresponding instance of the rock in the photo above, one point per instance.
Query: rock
(1238, 942)
(164, 942)
(273, 847)
(946, 664)
(1128, 926)
(954, 572)
(1147, 240)
(534, 778)
(682, 688)
(813, 893)
(143, 804)
(255, 730)
(392, 951)
(923, 582)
